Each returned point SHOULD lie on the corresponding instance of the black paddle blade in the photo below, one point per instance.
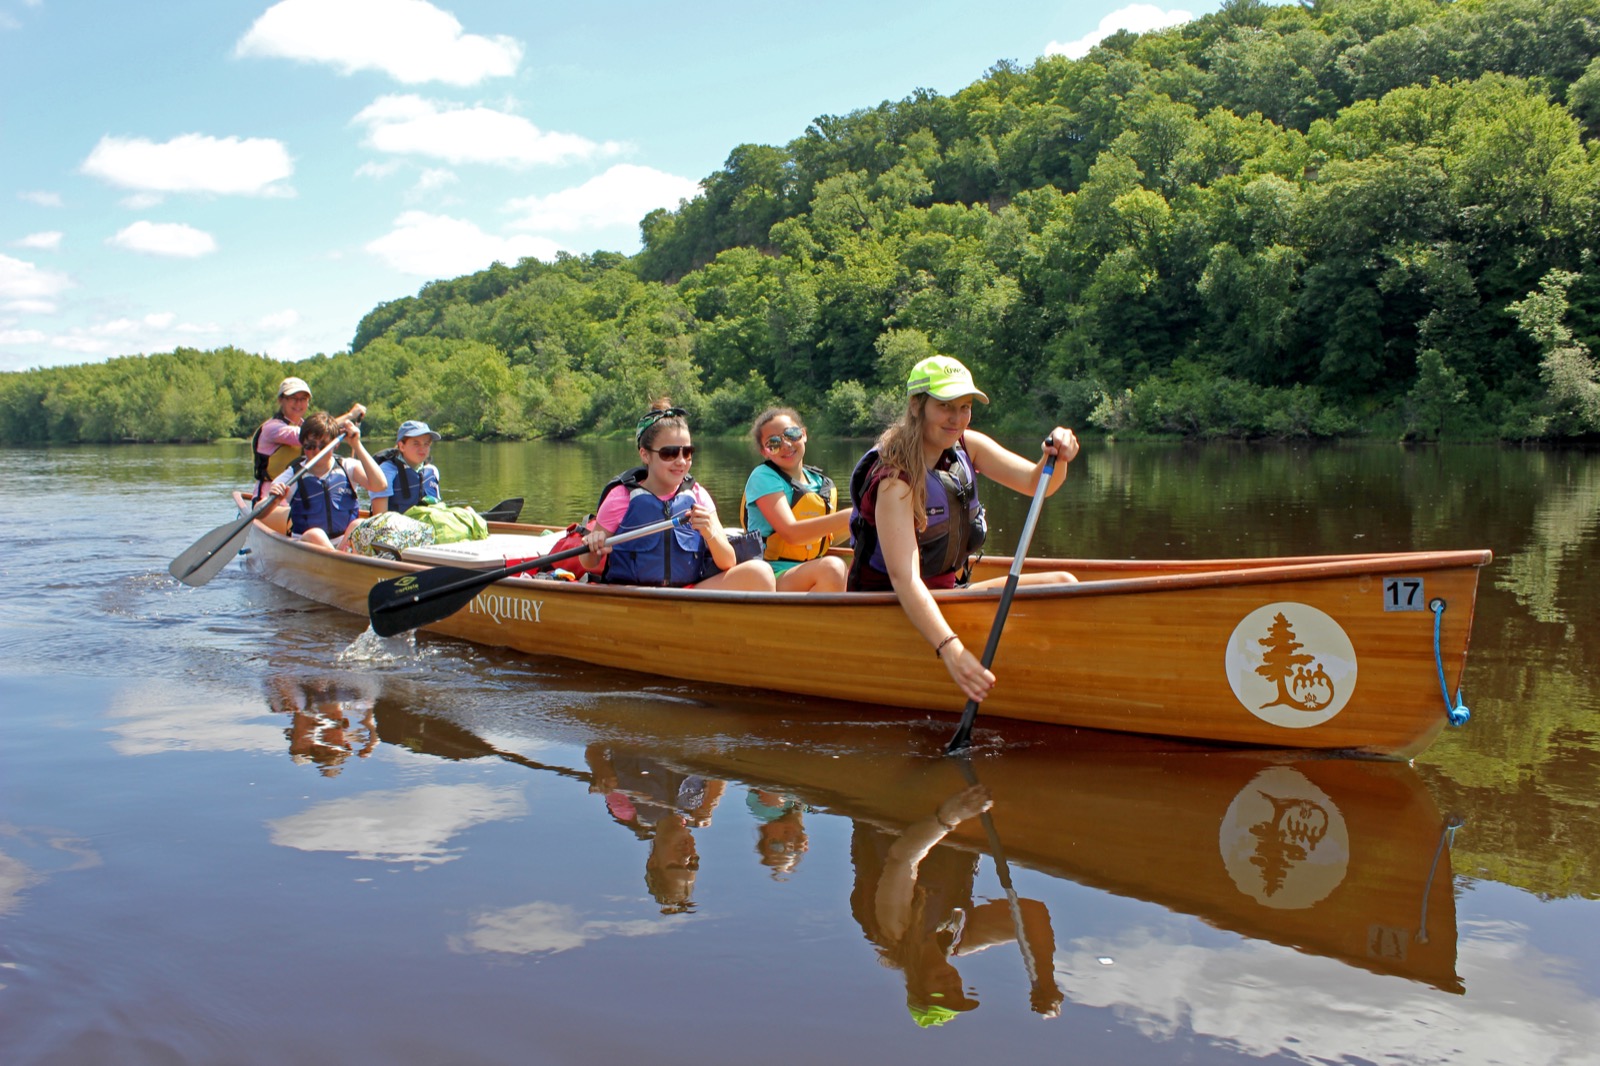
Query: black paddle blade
(963, 738)
(505, 511)
(413, 600)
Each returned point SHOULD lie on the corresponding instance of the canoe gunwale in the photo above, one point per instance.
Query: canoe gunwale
(1199, 573)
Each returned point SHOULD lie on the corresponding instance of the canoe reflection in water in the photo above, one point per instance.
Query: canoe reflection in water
(1344, 859)
(330, 719)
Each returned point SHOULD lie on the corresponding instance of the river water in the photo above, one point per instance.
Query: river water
(233, 829)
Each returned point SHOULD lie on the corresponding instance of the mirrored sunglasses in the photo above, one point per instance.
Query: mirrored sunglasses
(794, 435)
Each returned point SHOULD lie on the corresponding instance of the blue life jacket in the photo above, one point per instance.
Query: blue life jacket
(328, 504)
(956, 525)
(409, 485)
(672, 558)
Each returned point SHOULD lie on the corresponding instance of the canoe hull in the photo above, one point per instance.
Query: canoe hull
(1278, 653)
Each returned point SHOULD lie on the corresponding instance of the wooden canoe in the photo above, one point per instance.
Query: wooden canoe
(1346, 859)
(1325, 652)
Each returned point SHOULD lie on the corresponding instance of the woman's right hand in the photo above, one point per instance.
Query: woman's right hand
(967, 671)
(968, 803)
(595, 540)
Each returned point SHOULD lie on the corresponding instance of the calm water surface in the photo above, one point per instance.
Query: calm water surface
(234, 830)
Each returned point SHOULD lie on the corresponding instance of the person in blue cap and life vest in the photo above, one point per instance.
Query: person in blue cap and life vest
(411, 478)
(917, 517)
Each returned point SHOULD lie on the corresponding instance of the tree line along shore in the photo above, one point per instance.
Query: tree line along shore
(1346, 218)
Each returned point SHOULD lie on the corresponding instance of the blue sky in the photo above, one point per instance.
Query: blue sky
(211, 172)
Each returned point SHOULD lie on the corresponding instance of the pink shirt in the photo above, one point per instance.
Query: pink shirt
(275, 435)
(615, 505)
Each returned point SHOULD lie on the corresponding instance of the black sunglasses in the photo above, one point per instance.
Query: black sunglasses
(794, 435)
(672, 451)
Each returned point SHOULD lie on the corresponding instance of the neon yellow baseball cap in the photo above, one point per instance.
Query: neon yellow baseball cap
(932, 1014)
(943, 378)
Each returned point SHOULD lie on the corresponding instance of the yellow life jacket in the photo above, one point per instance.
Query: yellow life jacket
(804, 503)
(268, 467)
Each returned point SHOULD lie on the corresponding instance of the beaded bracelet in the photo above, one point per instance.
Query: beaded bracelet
(938, 651)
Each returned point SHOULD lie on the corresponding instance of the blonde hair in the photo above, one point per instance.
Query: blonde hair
(900, 448)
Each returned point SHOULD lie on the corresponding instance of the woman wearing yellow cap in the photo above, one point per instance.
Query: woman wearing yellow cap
(917, 516)
(276, 442)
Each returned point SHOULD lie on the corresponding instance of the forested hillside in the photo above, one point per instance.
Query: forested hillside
(1375, 216)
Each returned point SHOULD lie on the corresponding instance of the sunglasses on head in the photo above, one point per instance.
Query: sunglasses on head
(672, 451)
(655, 416)
(794, 435)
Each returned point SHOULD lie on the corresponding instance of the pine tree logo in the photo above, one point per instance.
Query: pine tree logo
(1289, 668)
(1291, 664)
(1284, 841)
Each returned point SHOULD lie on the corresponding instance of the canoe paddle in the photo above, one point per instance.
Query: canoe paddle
(1045, 1003)
(413, 600)
(963, 738)
(504, 511)
(211, 552)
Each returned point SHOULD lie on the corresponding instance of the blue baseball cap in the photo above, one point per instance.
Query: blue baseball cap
(414, 429)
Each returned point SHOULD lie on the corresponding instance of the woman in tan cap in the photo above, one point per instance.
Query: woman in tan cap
(276, 442)
(917, 518)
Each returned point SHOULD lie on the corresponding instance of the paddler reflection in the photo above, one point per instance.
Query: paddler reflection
(781, 832)
(331, 719)
(661, 805)
(914, 900)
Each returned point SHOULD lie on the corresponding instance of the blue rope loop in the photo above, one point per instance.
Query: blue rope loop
(1457, 715)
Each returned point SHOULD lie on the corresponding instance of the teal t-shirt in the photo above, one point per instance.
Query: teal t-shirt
(764, 481)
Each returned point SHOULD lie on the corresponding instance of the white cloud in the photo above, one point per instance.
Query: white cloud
(1254, 997)
(549, 927)
(404, 825)
(149, 719)
(43, 199)
(193, 162)
(410, 40)
(164, 238)
(48, 241)
(32, 307)
(621, 196)
(378, 171)
(1138, 18)
(21, 336)
(412, 125)
(437, 246)
(24, 287)
(435, 178)
(286, 319)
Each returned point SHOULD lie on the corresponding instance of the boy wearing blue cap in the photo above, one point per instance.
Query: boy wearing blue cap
(411, 477)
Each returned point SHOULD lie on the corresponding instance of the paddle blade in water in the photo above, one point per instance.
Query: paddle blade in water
(201, 561)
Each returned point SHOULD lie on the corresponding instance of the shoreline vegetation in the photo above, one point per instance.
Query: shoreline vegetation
(1355, 218)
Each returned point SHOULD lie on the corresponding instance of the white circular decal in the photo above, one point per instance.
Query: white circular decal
(1291, 665)
(1284, 841)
